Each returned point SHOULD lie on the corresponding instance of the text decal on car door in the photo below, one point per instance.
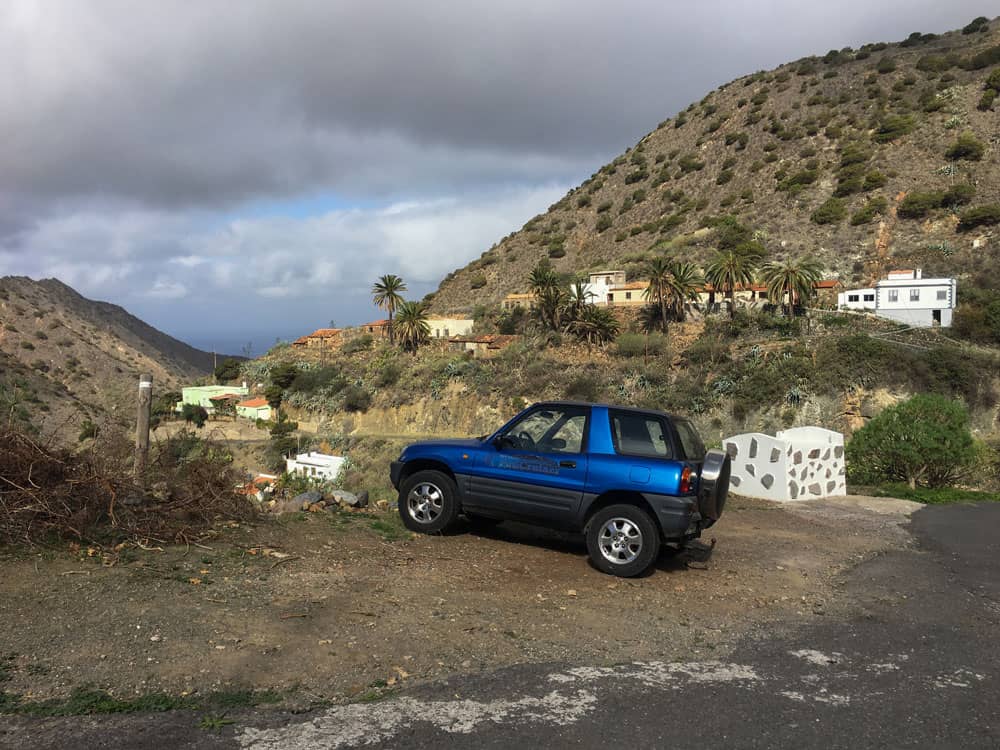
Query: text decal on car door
(530, 464)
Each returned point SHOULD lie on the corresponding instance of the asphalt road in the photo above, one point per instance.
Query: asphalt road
(916, 666)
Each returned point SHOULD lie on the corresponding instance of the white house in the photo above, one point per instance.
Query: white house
(599, 286)
(443, 327)
(315, 465)
(906, 296)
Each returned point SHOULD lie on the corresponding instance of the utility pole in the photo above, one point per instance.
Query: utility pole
(142, 424)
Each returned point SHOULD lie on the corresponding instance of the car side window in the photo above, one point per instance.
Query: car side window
(549, 430)
(640, 435)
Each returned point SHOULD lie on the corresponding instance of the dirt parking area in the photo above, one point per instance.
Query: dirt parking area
(344, 605)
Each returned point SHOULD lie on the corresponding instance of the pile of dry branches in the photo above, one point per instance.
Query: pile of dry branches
(48, 492)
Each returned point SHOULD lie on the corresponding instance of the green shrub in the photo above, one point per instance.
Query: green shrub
(584, 388)
(799, 179)
(874, 180)
(977, 25)
(892, 127)
(831, 211)
(603, 222)
(984, 59)
(726, 175)
(227, 370)
(917, 205)
(958, 195)
(358, 344)
(886, 65)
(872, 208)
(606, 206)
(477, 282)
(924, 440)
(688, 163)
(986, 101)
(640, 345)
(356, 398)
(987, 215)
(583, 201)
(966, 147)
(309, 381)
(935, 63)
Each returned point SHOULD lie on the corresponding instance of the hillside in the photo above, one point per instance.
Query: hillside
(64, 358)
(813, 158)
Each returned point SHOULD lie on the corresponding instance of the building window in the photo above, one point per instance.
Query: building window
(869, 298)
(446, 333)
(853, 298)
(437, 333)
(914, 295)
(628, 295)
(894, 295)
(942, 294)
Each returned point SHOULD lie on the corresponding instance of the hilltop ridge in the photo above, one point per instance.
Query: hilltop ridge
(862, 159)
(64, 357)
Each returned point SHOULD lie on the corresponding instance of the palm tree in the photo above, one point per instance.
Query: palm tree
(579, 298)
(685, 283)
(595, 325)
(658, 291)
(386, 296)
(542, 277)
(729, 270)
(794, 278)
(411, 322)
(551, 304)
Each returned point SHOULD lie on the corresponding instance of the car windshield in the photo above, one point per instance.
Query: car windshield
(694, 449)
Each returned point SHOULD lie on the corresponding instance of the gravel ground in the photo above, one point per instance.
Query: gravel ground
(336, 606)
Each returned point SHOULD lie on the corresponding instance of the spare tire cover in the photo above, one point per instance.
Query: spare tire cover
(713, 487)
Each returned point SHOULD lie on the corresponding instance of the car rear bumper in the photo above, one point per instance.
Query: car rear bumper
(678, 516)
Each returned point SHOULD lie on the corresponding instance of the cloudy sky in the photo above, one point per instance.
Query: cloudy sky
(243, 170)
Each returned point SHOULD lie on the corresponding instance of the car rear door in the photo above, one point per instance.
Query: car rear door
(536, 469)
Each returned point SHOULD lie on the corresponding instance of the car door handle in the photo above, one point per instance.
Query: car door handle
(568, 464)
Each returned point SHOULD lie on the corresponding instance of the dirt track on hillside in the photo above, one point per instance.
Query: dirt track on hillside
(333, 606)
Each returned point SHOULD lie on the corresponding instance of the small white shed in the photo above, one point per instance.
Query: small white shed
(797, 464)
(315, 465)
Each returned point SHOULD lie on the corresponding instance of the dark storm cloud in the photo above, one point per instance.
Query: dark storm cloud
(217, 102)
(145, 145)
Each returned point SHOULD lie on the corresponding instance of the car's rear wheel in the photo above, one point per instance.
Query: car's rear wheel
(428, 502)
(622, 540)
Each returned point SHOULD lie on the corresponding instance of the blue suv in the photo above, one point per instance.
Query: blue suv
(629, 479)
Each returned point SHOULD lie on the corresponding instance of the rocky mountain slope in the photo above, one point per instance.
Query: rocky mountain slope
(64, 358)
(888, 155)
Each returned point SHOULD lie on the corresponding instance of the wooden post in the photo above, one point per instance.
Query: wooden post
(142, 424)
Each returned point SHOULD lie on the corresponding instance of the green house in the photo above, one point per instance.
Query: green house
(202, 395)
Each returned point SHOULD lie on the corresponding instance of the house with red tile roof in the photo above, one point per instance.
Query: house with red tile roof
(254, 409)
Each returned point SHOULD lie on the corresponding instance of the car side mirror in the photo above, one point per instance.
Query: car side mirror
(500, 441)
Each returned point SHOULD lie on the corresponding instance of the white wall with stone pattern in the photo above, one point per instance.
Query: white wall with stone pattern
(797, 464)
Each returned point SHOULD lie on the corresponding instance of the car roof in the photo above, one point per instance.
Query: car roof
(635, 409)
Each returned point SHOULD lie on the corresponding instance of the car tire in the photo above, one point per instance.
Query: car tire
(622, 540)
(428, 502)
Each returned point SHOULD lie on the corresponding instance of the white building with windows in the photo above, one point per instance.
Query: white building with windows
(906, 296)
(600, 286)
(315, 465)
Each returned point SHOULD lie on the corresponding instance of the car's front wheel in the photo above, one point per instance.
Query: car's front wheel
(623, 540)
(428, 502)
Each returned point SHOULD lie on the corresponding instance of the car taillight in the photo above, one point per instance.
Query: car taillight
(686, 476)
